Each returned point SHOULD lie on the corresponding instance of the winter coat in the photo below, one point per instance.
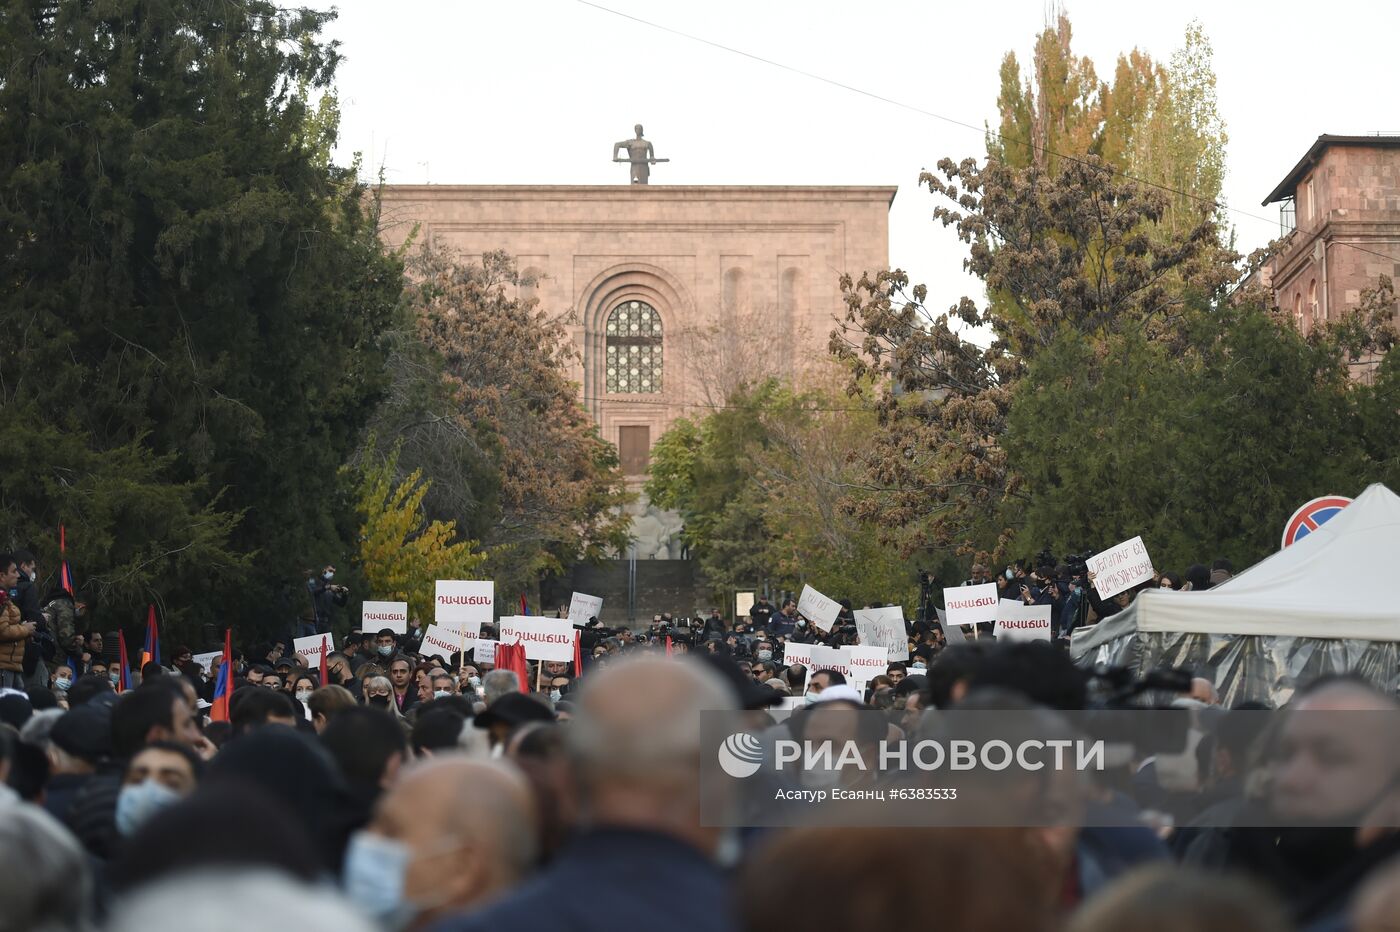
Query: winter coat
(12, 635)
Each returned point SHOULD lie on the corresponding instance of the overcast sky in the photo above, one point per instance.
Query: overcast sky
(537, 91)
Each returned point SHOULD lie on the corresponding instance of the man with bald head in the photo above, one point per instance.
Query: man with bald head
(642, 859)
(453, 833)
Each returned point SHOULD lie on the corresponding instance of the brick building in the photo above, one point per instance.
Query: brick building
(1340, 211)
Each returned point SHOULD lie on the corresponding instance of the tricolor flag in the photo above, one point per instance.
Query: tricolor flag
(524, 606)
(65, 575)
(124, 675)
(223, 686)
(150, 651)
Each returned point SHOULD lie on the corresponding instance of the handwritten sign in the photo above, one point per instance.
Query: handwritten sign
(817, 608)
(1120, 568)
(484, 651)
(1019, 622)
(583, 607)
(206, 661)
(883, 627)
(543, 638)
(309, 648)
(438, 640)
(376, 616)
(464, 600)
(971, 605)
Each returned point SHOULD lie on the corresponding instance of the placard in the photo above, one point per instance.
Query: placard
(484, 651)
(743, 601)
(543, 638)
(952, 634)
(794, 654)
(831, 658)
(445, 641)
(206, 661)
(376, 616)
(464, 601)
(817, 608)
(884, 627)
(971, 605)
(583, 607)
(309, 648)
(867, 663)
(1120, 567)
(1017, 621)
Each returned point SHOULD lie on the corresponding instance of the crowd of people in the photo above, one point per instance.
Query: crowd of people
(405, 789)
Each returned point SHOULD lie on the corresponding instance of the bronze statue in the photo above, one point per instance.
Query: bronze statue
(639, 154)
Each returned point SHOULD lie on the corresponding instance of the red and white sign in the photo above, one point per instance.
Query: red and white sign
(464, 601)
(1312, 516)
(831, 658)
(543, 638)
(867, 663)
(798, 654)
(376, 616)
(1120, 567)
(1017, 621)
(971, 605)
(444, 641)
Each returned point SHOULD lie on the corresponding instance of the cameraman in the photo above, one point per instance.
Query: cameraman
(327, 598)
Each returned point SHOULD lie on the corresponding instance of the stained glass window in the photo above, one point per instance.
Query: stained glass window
(634, 349)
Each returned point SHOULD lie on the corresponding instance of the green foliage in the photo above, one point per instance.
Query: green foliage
(193, 302)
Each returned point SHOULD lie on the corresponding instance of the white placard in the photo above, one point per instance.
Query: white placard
(206, 661)
(461, 601)
(1120, 567)
(866, 664)
(376, 616)
(971, 605)
(817, 608)
(743, 601)
(583, 607)
(794, 654)
(1017, 621)
(484, 651)
(831, 658)
(309, 648)
(544, 638)
(883, 627)
(444, 641)
(952, 634)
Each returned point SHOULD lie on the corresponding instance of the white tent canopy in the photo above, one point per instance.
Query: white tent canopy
(1323, 586)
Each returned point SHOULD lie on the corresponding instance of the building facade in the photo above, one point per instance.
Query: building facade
(1340, 214)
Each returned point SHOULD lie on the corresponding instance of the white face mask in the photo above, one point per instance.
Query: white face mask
(474, 682)
(385, 650)
(765, 655)
(555, 695)
(374, 874)
(62, 683)
(303, 695)
(441, 693)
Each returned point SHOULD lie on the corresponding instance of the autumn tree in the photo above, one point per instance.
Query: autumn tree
(403, 553)
(481, 400)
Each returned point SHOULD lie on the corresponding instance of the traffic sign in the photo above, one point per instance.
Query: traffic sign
(1312, 516)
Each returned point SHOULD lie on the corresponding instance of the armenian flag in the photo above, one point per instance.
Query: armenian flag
(65, 574)
(223, 686)
(150, 651)
(124, 676)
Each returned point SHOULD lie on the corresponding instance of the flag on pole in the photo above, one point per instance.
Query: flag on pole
(324, 672)
(65, 573)
(150, 651)
(512, 657)
(223, 686)
(524, 606)
(668, 645)
(578, 655)
(124, 675)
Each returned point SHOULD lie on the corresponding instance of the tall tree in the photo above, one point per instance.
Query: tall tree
(193, 299)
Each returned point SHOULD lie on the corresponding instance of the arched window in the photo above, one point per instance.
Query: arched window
(1298, 309)
(634, 349)
(1312, 300)
(736, 291)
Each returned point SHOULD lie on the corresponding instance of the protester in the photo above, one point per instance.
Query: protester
(45, 881)
(1161, 898)
(204, 901)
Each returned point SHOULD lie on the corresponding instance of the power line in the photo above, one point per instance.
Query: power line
(986, 131)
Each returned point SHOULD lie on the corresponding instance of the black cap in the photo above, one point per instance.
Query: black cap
(514, 709)
(85, 732)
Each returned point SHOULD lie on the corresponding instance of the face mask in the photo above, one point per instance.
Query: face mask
(555, 695)
(441, 693)
(374, 872)
(385, 650)
(1010, 575)
(474, 681)
(801, 622)
(137, 802)
(115, 678)
(765, 655)
(303, 695)
(381, 701)
(328, 575)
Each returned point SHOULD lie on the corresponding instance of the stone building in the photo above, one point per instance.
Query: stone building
(674, 292)
(1340, 211)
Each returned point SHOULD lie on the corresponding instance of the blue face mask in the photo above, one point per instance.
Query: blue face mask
(137, 802)
(115, 678)
(62, 683)
(374, 874)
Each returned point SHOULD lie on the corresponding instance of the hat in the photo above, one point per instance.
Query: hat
(85, 732)
(514, 709)
(288, 661)
(837, 693)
